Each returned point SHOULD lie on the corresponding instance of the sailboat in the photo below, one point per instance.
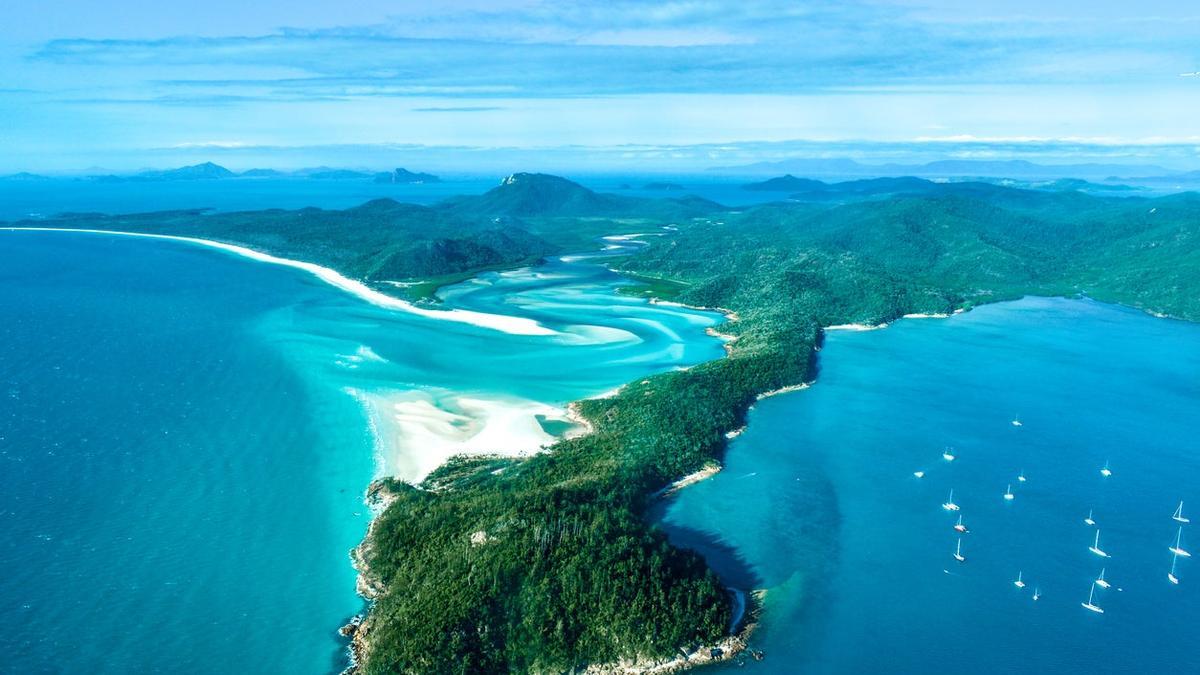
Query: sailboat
(919, 474)
(1179, 514)
(1095, 548)
(1089, 521)
(1008, 494)
(959, 525)
(1037, 593)
(1101, 581)
(1106, 472)
(948, 454)
(1021, 476)
(1016, 422)
(950, 505)
(1089, 604)
(1177, 549)
(958, 552)
(1171, 575)
(1020, 582)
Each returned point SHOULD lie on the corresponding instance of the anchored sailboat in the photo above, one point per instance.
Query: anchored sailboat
(1101, 581)
(1177, 549)
(1179, 514)
(948, 454)
(1020, 582)
(919, 474)
(1171, 575)
(1021, 476)
(959, 525)
(958, 552)
(1095, 548)
(1089, 521)
(1106, 472)
(1091, 605)
(1016, 422)
(1008, 494)
(950, 505)
(1036, 593)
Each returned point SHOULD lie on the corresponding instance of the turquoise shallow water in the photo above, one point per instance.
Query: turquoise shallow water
(182, 466)
(819, 501)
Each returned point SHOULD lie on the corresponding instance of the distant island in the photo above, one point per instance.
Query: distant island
(549, 563)
(406, 177)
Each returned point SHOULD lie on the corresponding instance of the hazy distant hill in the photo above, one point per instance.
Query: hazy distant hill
(788, 183)
(262, 173)
(534, 194)
(205, 171)
(24, 176)
(338, 174)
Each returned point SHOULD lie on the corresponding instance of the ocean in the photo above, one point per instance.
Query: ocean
(819, 506)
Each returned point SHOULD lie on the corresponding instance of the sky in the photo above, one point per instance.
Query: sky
(462, 85)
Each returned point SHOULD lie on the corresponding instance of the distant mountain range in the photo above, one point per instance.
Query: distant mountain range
(211, 171)
(955, 168)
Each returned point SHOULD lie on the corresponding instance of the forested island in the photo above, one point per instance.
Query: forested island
(569, 572)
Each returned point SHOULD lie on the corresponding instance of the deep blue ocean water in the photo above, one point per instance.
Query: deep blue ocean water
(182, 468)
(819, 501)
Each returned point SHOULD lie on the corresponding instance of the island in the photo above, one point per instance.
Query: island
(403, 176)
(551, 563)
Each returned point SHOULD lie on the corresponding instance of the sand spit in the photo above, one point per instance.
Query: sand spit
(505, 324)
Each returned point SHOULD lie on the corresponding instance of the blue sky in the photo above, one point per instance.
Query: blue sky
(464, 85)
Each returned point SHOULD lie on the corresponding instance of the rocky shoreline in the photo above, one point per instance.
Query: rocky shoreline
(728, 649)
(368, 586)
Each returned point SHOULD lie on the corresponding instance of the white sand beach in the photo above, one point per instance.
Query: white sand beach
(505, 324)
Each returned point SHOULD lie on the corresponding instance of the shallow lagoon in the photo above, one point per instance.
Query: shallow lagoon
(819, 501)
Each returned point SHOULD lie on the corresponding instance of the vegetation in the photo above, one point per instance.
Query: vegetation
(548, 563)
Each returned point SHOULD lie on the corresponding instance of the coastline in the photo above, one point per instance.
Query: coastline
(498, 322)
(727, 649)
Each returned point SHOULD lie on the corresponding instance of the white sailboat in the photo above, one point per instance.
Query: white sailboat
(1171, 575)
(958, 552)
(919, 474)
(959, 525)
(1021, 476)
(1095, 548)
(1106, 472)
(1177, 549)
(1008, 493)
(1089, 521)
(950, 505)
(1016, 422)
(1020, 582)
(1179, 514)
(1089, 605)
(1037, 593)
(948, 454)
(1101, 582)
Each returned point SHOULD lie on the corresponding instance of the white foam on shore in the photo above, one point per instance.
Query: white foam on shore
(506, 324)
(856, 326)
